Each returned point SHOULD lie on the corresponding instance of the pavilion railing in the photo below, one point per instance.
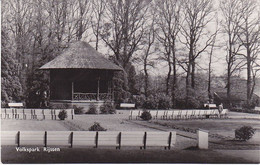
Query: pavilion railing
(92, 96)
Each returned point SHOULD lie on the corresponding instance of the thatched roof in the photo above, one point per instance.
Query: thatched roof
(80, 55)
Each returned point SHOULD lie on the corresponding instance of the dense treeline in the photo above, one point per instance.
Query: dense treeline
(187, 36)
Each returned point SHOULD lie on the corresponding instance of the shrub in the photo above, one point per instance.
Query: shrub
(139, 101)
(164, 102)
(150, 103)
(92, 109)
(107, 108)
(244, 133)
(96, 127)
(78, 110)
(146, 115)
(62, 115)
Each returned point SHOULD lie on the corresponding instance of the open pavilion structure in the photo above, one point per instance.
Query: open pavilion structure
(81, 76)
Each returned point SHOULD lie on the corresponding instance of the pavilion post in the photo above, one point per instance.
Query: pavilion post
(72, 90)
(98, 88)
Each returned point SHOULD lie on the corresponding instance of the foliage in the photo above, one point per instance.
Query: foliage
(253, 103)
(164, 102)
(244, 133)
(150, 103)
(139, 101)
(146, 115)
(107, 108)
(36, 86)
(245, 110)
(62, 115)
(78, 110)
(120, 87)
(92, 109)
(96, 127)
(11, 87)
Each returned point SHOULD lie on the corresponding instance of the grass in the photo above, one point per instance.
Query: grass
(222, 128)
(104, 155)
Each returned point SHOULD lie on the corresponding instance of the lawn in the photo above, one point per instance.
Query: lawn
(223, 127)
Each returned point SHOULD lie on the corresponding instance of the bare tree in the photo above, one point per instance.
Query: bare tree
(231, 15)
(249, 37)
(197, 15)
(148, 49)
(169, 24)
(97, 18)
(211, 61)
(124, 28)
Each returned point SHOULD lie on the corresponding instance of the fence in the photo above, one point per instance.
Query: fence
(180, 114)
(21, 113)
(89, 138)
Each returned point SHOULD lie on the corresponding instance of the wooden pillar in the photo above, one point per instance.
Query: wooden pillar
(72, 91)
(98, 88)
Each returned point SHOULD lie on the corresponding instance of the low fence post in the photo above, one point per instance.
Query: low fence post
(18, 139)
(96, 139)
(71, 139)
(170, 140)
(202, 138)
(45, 139)
(119, 140)
(145, 137)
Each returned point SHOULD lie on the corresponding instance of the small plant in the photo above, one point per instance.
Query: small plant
(92, 109)
(107, 108)
(62, 115)
(78, 110)
(96, 127)
(244, 133)
(146, 115)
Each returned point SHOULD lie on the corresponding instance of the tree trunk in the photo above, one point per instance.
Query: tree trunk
(174, 82)
(193, 73)
(249, 81)
(168, 79)
(145, 80)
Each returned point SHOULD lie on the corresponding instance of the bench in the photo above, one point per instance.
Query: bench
(127, 105)
(153, 114)
(174, 114)
(59, 138)
(19, 113)
(108, 139)
(189, 114)
(135, 138)
(84, 138)
(38, 114)
(32, 138)
(134, 114)
(48, 114)
(28, 113)
(15, 105)
(164, 139)
(9, 137)
(10, 113)
(223, 113)
(161, 114)
(210, 106)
